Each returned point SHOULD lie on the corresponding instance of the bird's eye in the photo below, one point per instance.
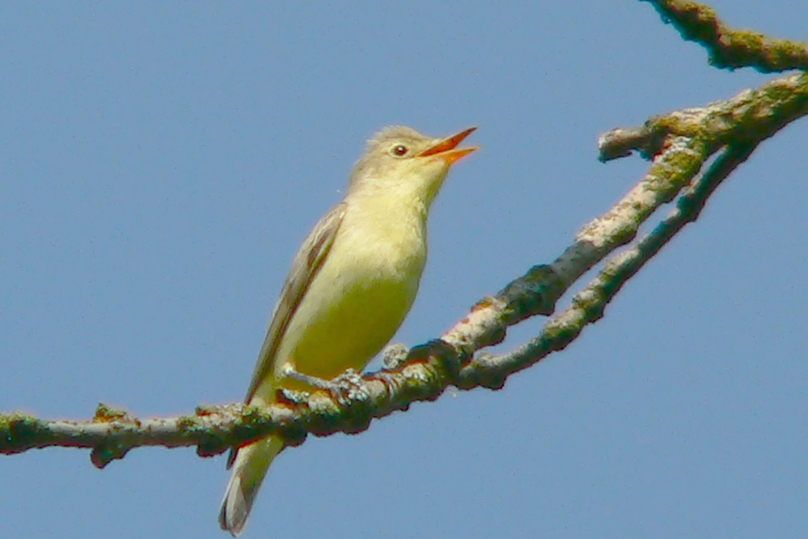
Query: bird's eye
(400, 150)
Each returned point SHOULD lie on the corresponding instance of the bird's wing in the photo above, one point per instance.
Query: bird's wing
(305, 265)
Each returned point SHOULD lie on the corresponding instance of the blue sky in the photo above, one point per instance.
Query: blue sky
(160, 163)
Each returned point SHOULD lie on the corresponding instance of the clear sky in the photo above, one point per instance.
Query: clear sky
(160, 163)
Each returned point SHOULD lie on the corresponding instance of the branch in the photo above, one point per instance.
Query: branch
(678, 144)
(748, 118)
(728, 48)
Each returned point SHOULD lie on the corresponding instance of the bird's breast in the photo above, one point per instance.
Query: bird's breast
(360, 296)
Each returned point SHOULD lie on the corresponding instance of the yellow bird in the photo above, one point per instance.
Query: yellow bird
(351, 284)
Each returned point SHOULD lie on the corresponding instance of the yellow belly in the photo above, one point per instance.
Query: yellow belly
(352, 331)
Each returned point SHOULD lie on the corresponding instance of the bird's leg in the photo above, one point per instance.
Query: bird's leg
(288, 371)
(343, 388)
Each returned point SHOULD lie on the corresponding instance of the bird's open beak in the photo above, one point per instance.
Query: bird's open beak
(447, 148)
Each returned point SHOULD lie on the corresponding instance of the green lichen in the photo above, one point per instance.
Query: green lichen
(19, 432)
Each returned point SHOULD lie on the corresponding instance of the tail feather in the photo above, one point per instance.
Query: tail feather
(249, 468)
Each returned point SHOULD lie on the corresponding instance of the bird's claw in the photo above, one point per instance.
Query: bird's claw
(348, 387)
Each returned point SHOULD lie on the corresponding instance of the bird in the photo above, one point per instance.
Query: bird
(350, 286)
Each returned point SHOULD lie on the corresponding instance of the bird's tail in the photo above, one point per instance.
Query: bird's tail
(249, 468)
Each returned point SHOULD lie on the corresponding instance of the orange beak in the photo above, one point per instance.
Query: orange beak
(447, 149)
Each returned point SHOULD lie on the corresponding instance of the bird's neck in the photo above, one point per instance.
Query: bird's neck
(391, 207)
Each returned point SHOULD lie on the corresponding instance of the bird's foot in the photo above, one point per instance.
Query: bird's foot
(348, 387)
(344, 388)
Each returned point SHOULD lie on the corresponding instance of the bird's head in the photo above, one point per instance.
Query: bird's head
(398, 159)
